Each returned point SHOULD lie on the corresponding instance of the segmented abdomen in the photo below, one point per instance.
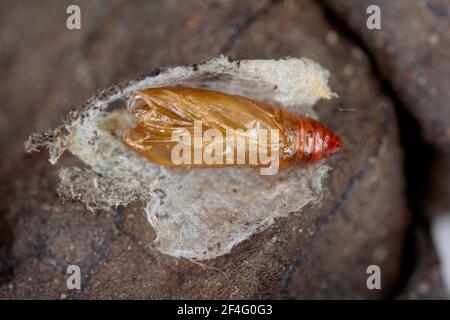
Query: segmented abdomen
(315, 140)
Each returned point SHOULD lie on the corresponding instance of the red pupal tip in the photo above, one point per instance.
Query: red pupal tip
(334, 144)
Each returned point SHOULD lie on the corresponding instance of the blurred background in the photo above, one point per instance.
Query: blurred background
(388, 192)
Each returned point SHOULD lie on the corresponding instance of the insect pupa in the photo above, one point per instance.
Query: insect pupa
(160, 112)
